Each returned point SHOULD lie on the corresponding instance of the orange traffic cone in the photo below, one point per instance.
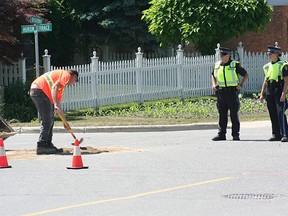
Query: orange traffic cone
(3, 158)
(77, 159)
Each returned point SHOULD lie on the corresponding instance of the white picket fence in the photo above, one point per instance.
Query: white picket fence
(9, 74)
(139, 80)
(143, 79)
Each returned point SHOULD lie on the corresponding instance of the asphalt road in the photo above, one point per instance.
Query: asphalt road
(167, 173)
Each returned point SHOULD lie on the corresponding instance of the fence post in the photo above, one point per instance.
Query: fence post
(217, 53)
(46, 61)
(276, 44)
(22, 67)
(240, 50)
(139, 64)
(94, 78)
(179, 58)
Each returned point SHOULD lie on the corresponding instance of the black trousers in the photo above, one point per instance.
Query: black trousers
(228, 100)
(276, 111)
(46, 112)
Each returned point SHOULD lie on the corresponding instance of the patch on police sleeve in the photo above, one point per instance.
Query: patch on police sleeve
(285, 67)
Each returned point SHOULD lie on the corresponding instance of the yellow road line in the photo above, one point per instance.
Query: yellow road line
(130, 197)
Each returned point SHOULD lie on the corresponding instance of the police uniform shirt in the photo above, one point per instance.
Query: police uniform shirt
(239, 69)
(270, 90)
(285, 70)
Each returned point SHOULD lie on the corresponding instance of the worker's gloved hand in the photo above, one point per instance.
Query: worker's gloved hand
(57, 110)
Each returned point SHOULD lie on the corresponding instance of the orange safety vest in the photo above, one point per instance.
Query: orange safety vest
(47, 80)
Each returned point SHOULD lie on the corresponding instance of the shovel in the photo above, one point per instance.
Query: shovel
(67, 126)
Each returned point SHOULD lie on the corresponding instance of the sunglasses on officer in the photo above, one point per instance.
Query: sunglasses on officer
(270, 53)
(223, 54)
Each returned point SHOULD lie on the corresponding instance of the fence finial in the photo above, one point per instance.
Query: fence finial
(139, 49)
(179, 47)
(94, 54)
(217, 52)
(46, 52)
(240, 44)
(276, 44)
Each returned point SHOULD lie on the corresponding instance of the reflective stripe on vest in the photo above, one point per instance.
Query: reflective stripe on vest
(50, 82)
(231, 76)
(48, 79)
(274, 71)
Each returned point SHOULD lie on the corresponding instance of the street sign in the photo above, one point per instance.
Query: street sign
(26, 29)
(36, 20)
(38, 26)
(44, 27)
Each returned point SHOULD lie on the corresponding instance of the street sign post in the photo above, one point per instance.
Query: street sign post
(38, 26)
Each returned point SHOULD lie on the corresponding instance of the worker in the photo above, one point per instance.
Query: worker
(46, 92)
(226, 84)
(274, 90)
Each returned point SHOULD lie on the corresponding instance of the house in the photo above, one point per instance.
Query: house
(275, 31)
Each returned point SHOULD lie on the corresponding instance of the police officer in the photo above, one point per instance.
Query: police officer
(226, 84)
(275, 85)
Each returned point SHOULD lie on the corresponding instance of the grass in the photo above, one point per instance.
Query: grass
(126, 121)
(164, 112)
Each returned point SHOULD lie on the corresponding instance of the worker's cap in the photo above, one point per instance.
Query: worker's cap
(272, 49)
(74, 72)
(224, 50)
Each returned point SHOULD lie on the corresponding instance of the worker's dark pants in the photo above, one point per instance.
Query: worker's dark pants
(46, 111)
(228, 100)
(277, 112)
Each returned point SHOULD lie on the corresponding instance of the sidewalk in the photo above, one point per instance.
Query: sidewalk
(143, 128)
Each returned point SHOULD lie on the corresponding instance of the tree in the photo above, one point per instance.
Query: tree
(13, 14)
(204, 22)
(116, 22)
(92, 23)
(61, 42)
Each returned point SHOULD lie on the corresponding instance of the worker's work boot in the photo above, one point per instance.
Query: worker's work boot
(45, 148)
(58, 150)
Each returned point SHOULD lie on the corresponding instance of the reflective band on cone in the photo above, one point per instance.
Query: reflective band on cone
(77, 159)
(3, 158)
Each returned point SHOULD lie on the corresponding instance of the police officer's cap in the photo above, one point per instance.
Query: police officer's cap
(224, 50)
(272, 49)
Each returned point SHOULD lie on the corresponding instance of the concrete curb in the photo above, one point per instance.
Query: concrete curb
(136, 128)
(143, 128)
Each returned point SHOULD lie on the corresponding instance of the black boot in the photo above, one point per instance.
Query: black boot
(219, 137)
(235, 138)
(45, 148)
(274, 139)
(58, 150)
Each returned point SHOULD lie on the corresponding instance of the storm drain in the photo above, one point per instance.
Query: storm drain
(261, 196)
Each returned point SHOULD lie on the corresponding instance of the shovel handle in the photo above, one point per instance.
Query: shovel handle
(67, 125)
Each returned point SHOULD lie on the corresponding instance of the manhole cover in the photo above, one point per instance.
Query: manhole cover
(260, 196)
